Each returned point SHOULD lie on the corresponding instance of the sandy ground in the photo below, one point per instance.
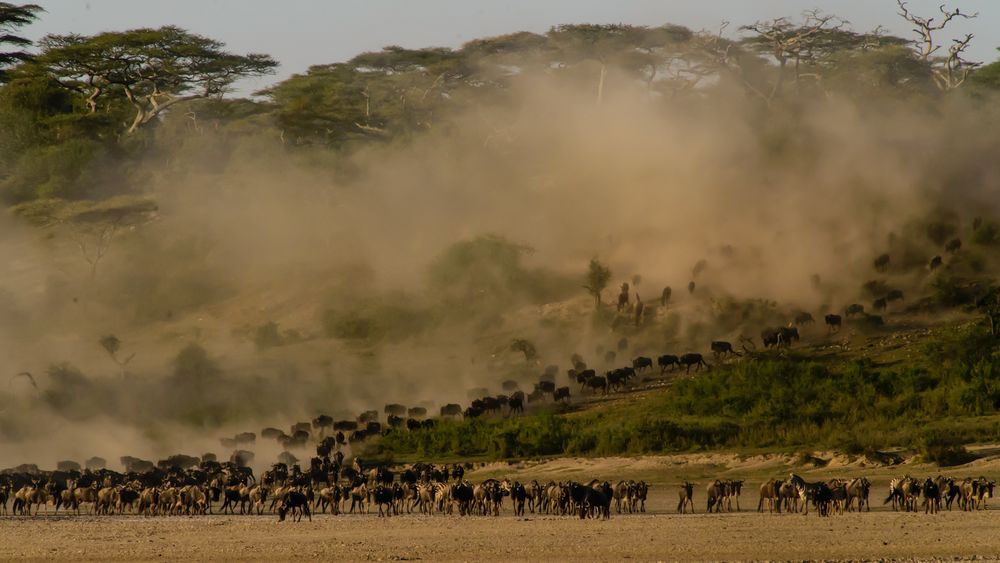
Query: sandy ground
(876, 535)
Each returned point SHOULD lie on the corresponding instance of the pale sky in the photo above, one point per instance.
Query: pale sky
(300, 33)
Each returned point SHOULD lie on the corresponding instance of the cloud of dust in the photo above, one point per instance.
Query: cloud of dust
(768, 199)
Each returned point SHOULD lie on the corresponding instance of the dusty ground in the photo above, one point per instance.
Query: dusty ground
(876, 535)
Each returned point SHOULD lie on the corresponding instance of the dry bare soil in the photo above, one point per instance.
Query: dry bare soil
(659, 534)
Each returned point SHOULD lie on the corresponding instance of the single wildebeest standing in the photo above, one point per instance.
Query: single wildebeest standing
(894, 295)
(834, 322)
(686, 494)
(642, 363)
(623, 297)
(854, 309)
(882, 263)
(880, 304)
(665, 296)
(561, 394)
(723, 348)
(953, 246)
(935, 263)
(623, 344)
(297, 503)
(451, 409)
(804, 318)
(668, 361)
(692, 359)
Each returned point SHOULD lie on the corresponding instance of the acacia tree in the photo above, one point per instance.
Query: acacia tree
(12, 18)
(153, 69)
(598, 276)
(112, 345)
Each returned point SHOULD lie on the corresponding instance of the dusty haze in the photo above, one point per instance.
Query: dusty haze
(249, 232)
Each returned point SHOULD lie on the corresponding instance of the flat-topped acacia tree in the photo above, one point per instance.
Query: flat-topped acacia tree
(152, 69)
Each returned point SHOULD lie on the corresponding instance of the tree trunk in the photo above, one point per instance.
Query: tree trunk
(600, 83)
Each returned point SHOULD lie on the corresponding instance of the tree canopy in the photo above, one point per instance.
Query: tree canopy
(12, 18)
(153, 69)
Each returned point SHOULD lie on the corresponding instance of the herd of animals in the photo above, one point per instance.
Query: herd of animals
(329, 485)
(211, 487)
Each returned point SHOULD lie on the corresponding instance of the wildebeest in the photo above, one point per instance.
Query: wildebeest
(516, 403)
(510, 385)
(723, 348)
(597, 382)
(416, 412)
(451, 409)
(641, 363)
(686, 494)
(623, 296)
(880, 304)
(854, 309)
(322, 421)
(833, 321)
(714, 495)
(668, 361)
(395, 409)
(894, 295)
(691, 287)
(545, 387)
(665, 296)
(953, 245)
(935, 263)
(562, 393)
(271, 433)
(692, 359)
(295, 502)
(769, 336)
(368, 416)
(610, 356)
(345, 425)
(584, 376)
(803, 318)
(882, 263)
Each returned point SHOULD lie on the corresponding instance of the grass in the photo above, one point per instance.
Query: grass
(947, 395)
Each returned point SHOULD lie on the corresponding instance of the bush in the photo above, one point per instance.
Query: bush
(943, 449)
(987, 234)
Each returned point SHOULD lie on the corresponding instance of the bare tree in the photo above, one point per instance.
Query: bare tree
(94, 241)
(949, 71)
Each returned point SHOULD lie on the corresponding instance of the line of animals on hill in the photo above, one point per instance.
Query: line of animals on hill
(836, 496)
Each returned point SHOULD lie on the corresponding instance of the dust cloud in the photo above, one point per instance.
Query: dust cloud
(786, 207)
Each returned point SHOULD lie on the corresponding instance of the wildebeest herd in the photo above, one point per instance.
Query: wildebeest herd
(327, 486)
